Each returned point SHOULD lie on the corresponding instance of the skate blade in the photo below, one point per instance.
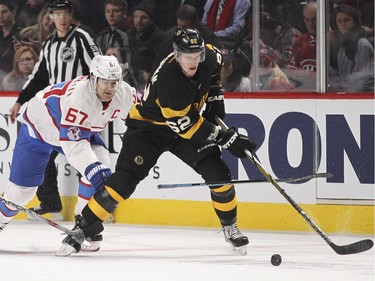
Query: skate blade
(242, 251)
(65, 251)
(92, 246)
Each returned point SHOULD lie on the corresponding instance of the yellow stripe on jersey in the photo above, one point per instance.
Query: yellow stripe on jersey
(171, 113)
(193, 129)
(222, 188)
(134, 114)
(114, 194)
(98, 210)
(225, 207)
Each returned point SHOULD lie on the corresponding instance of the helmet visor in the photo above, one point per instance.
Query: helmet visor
(190, 57)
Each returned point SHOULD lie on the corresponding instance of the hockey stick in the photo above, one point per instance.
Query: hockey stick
(220, 183)
(89, 231)
(353, 248)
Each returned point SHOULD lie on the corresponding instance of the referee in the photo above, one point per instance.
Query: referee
(64, 56)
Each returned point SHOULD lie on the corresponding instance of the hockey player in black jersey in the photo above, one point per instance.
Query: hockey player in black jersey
(169, 119)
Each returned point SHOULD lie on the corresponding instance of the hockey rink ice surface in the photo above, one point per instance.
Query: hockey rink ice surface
(131, 252)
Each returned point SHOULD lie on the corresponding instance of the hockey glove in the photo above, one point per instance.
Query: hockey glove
(214, 107)
(236, 143)
(97, 174)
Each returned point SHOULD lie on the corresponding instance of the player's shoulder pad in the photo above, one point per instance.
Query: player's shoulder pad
(213, 53)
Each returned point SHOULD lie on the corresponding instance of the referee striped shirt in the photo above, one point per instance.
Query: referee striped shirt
(60, 59)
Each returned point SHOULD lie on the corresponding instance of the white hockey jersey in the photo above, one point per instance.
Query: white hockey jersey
(67, 114)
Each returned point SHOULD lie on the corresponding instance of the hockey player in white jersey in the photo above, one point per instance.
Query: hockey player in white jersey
(67, 117)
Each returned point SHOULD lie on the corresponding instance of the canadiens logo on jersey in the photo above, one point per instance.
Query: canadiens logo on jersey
(67, 54)
(74, 133)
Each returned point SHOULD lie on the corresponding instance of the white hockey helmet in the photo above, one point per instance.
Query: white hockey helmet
(105, 67)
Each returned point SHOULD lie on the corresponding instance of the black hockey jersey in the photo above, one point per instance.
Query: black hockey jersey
(172, 102)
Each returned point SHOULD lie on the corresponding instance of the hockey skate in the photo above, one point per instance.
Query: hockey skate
(73, 242)
(233, 236)
(55, 212)
(93, 242)
(70, 245)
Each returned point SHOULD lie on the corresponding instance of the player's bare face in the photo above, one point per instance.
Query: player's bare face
(62, 20)
(189, 62)
(106, 89)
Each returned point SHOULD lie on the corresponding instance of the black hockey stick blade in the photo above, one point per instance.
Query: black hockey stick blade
(357, 247)
(354, 248)
(220, 183)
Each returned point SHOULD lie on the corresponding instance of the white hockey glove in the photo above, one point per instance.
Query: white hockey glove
(97, 174)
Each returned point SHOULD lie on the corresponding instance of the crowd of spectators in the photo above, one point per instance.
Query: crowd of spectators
(139, 33)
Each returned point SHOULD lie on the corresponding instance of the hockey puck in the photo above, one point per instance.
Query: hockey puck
(276, 259)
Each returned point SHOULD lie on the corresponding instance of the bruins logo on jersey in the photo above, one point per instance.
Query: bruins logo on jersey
(138, 160)
(67, 54)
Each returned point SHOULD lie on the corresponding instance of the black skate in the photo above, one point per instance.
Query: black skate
(233, 236)
(41, 209)
(93, 244)
(73, 243)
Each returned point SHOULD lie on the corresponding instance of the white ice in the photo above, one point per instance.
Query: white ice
(145, 253)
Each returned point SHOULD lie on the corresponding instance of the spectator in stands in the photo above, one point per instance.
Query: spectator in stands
(231, 76)
(304, 49)
(198, 4)
(8, 30)
(34, 35)
(286, 11)
(351, 54)
(77, 15)
(92, 14)
(28, 14)
(145, 41)
(120, 56)
(114, 35)
(23, 64)
(302, 70)
(165, 11)
(226, 18)
(271, 77)
(187, 17)
(280, 36)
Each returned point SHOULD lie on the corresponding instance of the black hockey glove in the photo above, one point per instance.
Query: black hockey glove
(214, 107)
(236, 143)
(97, 174)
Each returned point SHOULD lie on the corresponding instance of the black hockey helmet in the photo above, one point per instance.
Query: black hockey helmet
(188, 40)
(60, 5)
